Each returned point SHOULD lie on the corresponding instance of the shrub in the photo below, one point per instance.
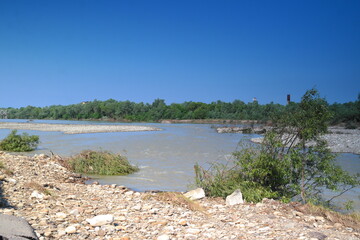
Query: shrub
(19, 143)
(101, 162)
(285, 166)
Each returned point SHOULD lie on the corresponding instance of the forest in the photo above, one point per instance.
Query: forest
(347, 113)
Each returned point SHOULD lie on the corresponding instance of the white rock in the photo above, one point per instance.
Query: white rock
(193, 231)
(61, 232)
(137, 207)
(257, 140)
(129, 193)
(74, 212)
(36, 194)
(234, 198)
(120, 218)
(169, 228)
(195, 194)
(70, 229)
(101, 220)
(11, 180)
(163, 237)
(61, 215)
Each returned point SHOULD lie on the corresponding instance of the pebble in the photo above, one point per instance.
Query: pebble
(70, 229)
(70, 211)
(163, 237)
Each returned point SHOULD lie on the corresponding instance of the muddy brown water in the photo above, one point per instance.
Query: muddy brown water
(166, 158)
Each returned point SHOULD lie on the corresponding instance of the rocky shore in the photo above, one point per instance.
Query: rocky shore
(76, 128)
(340, 140)
(59, 206)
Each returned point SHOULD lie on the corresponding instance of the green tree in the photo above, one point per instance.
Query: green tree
(292, 162)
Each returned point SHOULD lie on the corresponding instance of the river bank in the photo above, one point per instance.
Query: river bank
(75, 128)
(339, 139)
(59, 206)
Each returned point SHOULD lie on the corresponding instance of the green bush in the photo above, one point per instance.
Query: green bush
(285, 166)
(221, 181)
(101, 162)
(19, 143)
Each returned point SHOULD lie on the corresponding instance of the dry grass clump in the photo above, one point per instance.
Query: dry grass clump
(5, 170)
(177, 199)
(349, 220)
(38, 187)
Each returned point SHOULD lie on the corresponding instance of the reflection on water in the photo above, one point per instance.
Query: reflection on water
(166, 158)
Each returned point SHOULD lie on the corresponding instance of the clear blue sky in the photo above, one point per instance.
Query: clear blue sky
(65, 52)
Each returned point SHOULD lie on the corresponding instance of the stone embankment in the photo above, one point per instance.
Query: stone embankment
(59, 206)
(339, 140)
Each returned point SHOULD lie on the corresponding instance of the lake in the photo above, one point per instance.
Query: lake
(166, 158)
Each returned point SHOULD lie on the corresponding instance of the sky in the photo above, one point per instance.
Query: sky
(62, 52)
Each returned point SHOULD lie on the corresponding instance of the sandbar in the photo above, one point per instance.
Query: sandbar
(76, 128)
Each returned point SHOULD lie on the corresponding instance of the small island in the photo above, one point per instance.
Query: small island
(76, 128)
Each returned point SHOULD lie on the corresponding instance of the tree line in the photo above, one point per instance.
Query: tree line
(158, 109)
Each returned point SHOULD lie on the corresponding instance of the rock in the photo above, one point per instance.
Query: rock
(193, 231)
(234, 198)
(120, 218)
(259, 205)
(163, 237)
(337, 225)
(48, 233)
(101, 220)
(257, 140)
(125, 238)
(70, 229)
(60, 215)
(259, 130)
(296, 213)
(101, 232)
(61, 232)
(129, 193)
(36, 194)
(74, 212)
(12, 227)
(11, 180)
(195, 194)
(183, 222)
(317, 235)
(137, 207)
(141, 215)
(41, 156)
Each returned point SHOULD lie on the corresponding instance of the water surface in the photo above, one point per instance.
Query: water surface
(166, 158)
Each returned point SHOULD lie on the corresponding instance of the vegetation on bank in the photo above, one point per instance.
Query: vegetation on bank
(131, 111)
(101, 163)
(19, 143)
(285, 166)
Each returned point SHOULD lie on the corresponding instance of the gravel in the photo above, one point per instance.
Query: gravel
(76, 128)
(339, 140)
